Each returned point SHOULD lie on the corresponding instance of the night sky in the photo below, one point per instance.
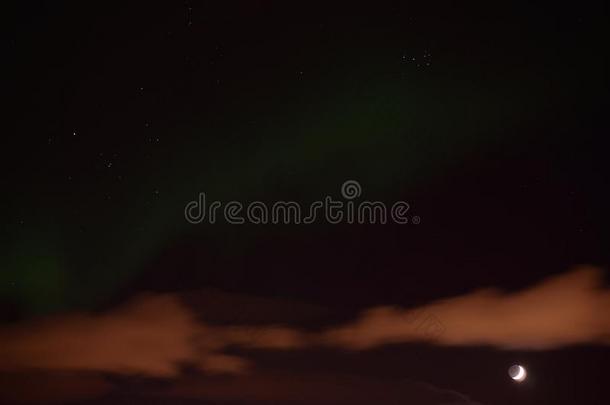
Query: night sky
(488, 119)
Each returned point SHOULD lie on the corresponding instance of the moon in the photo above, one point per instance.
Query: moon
(517, 373)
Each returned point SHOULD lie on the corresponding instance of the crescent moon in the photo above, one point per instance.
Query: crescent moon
(520, 375)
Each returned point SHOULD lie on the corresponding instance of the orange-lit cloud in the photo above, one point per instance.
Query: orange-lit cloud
(153, 335)
(156, 335)
(573, 308)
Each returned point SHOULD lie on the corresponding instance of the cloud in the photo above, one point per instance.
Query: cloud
(150, 335)
(153, 335)
(157, 335)
(573, 308)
